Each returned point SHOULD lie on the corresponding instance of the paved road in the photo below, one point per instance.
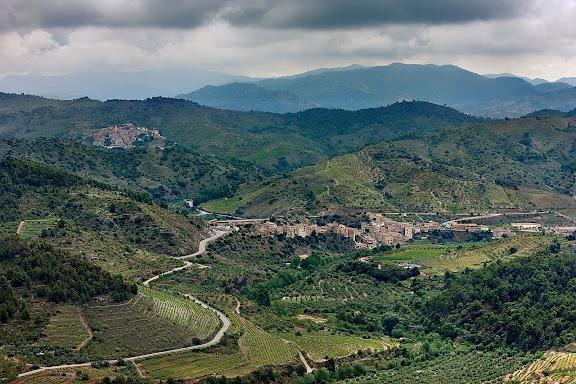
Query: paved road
(470, 218)
(489, 215)
(215, 340)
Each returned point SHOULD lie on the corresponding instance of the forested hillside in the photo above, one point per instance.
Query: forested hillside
(120, 230)
(526, 303)
(40, 270)
(523, 164)
(170, 174)
(278, 142)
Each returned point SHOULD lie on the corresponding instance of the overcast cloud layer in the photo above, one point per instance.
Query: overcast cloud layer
(536, 38)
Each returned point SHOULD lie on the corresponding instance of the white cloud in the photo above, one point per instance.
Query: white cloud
(537, 40)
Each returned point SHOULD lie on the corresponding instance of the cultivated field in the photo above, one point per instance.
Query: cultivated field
(263, 348)
(33, 228)
(76, 375)
(438, 258)
(65, 328)
(472, 367)
(256, 348)
(553, 367)
(319, 346)
(200, 321)
(146, 324)
(194, 364)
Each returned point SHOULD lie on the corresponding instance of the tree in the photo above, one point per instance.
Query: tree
(262, 296)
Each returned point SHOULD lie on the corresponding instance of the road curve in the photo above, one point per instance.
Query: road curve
(215, 340)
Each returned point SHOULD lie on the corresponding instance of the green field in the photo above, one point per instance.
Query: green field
(472, 367)
(200, 321)
(263, 348)
(33, 228)
(195, 364)
(256, 348)
(320, 346)
(70, 376)
(65, 328)
(439, 258)
(415, 251)
(138, 327)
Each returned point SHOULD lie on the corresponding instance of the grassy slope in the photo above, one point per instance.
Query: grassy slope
(522, 164)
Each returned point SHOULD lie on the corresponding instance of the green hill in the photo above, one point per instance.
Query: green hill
(171, 174)
(275, 141)
(119, 230)
(526, 163)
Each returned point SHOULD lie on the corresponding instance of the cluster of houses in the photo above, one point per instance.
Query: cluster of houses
(124, 136)
(382, 230)
(379, 230)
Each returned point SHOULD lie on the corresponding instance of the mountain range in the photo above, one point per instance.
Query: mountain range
(357, 87)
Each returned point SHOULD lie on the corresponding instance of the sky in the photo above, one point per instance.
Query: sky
(262, 38)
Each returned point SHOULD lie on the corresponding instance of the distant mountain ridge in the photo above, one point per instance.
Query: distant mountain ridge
(568, 80)
(357, 87)
(249, 97)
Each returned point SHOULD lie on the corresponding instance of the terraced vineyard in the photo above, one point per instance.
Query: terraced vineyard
(319, 346)
(256, 348)
(119, 330)
(194, 364)
(200, 321)
(559, 367)
(328, 288)
(263, 348)
(457, 368)
(33, 228)
(65, 328)
(214, 298)
(526, 245)
(69, 376)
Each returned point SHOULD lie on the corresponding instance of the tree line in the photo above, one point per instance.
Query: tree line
(52, 274)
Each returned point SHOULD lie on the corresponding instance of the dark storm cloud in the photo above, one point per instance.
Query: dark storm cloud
(297, 14)
(337, 14)
(185, 14)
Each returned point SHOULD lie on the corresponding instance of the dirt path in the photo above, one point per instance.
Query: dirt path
(237, 307)
(215, 340)
(20, 228)
(87, 328)
(304, 362)
(437, 199)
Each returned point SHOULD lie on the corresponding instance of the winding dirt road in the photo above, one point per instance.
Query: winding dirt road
(187, 264)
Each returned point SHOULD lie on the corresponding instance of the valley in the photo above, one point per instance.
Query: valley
(287, 192)
(408, 243)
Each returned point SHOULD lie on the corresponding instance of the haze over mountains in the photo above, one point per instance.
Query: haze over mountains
(353, 87)
(102, 85)
(358, 87)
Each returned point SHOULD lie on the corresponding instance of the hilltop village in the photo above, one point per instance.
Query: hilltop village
(125, 136)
